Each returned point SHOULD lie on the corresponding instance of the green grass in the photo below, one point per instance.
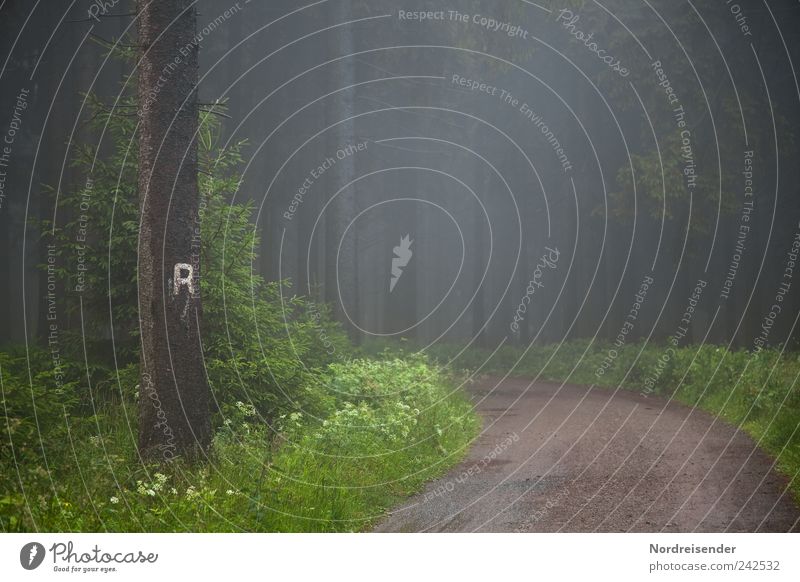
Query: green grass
(388, 427)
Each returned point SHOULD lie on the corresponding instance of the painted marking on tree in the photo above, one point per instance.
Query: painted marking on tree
(181, 280)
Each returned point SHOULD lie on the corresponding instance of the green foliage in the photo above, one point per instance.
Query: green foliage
(94, 235)
(307, 438)
(260, 346)
(715, 115)
(388, 428)
(659, 179)
(45, 401)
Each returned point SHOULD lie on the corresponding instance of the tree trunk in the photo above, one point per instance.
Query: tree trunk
(341, 285)
(173, 394)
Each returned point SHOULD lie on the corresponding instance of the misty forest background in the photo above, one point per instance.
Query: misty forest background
(332, 395)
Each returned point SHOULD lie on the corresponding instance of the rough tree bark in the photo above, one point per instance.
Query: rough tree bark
(174, 393)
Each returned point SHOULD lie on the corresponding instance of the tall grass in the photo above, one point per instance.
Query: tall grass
(385, 428)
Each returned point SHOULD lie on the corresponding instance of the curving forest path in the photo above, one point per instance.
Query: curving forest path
(573, 459)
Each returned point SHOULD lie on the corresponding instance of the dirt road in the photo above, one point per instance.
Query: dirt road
(573, 459)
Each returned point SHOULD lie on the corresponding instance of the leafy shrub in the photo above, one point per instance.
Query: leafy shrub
(392, 426)
(260, 346)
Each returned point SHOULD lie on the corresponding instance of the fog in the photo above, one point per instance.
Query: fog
(475, 172)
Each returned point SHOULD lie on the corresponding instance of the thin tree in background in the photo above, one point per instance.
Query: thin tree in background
(342, 251)
(173, 394)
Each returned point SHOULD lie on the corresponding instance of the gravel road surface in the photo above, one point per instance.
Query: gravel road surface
(554, 458)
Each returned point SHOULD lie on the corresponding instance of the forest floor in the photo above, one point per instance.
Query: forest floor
(575, 459)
